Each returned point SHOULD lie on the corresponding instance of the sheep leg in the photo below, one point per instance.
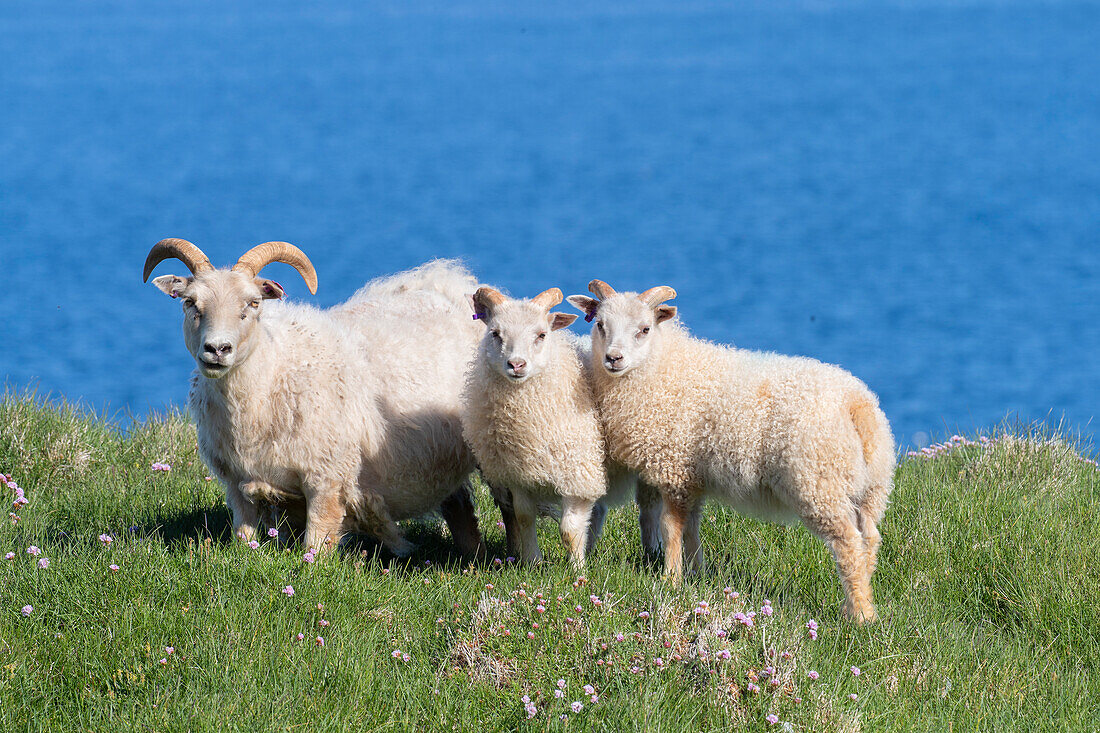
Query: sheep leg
(693, 546)
(527, 541)
(502, 497)
(576, 514)
(841, 534)
(375, 517)
(673, 518)
(649, 519)
(246, 516)
(595, 525)
(324, 519)
(458, 512)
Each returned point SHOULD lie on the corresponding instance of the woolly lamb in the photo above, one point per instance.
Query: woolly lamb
(773, 436)
(348, 416)
(530, 417)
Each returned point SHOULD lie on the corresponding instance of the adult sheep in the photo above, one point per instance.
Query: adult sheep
(773, 436)
(348, 415)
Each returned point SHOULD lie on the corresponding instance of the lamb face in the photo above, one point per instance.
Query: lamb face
(625, 330)
(514, 345)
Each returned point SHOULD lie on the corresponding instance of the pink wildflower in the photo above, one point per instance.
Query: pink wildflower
(576, 706)
(323, 623)
(288, 591)
(301, 637)
(9, 556)
(32, 550)
(44, 563)
(855, 671)
(561, 684)
(170, 649)
(853, 697)
(643, 614)
(27, 610)
(308, 557)
(113, 568)
(772, 719)
(752, 689)
(106, 539)
(253, 544)
(812, 674)
(163, 660)
(319, 641)
(272, 533)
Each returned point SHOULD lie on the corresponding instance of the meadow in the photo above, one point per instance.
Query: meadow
(124, 605)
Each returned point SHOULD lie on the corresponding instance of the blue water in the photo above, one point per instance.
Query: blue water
(911, 190)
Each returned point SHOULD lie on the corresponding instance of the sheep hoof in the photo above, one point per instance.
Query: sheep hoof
(401, 547)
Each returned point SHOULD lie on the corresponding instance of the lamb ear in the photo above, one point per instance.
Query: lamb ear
(172, 285)
(585, 304)
(561, 320)
(664, 312)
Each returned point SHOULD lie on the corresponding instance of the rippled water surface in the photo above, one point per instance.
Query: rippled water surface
(911, 190)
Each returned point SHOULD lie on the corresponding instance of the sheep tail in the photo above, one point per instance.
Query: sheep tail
(865, 418)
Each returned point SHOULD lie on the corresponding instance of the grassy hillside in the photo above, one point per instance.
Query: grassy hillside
(988, 587)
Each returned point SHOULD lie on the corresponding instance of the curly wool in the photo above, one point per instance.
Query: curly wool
(772, 435)
(541, 436)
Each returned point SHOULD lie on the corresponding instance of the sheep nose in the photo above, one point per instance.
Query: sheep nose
(219, 349)
(613, 359)
(516, 365)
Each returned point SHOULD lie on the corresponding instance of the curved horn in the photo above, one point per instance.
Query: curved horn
(488, 296)
(548, 298)
(179, 249)
(600, 289)
(655, 296)
(255, 259)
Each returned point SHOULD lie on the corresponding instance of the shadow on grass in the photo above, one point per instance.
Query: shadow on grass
(433, 546)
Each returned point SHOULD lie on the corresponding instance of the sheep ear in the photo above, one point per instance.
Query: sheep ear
(585, 304)
(561, 320)
(664, 312)
(172, 285)
(270, 289)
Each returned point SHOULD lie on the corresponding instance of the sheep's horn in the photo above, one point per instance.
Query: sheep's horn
(600, 289)
(655, 296)
(179, 249)
(261, 255)
(548, 298)
(488, 296)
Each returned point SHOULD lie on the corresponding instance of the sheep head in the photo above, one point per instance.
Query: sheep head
(514, 344)
(222, 307)
(625, 328)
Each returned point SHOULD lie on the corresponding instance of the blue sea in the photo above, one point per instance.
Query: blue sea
(908, 189)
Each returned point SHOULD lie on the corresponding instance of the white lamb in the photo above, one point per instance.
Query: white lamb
(348, 416)
(531, 419)
(774, 436)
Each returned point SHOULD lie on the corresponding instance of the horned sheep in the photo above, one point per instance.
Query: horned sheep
(532, 421)
(773, 436)
(347, 417)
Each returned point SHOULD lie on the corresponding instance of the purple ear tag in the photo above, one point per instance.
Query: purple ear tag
(589, 316)
(476, 316)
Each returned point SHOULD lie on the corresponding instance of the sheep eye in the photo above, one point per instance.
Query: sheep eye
(254, 304)
(188, 303)
(645, 330)
(541, 336)
(599, 326)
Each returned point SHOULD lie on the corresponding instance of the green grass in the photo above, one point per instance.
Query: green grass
(988, 587)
